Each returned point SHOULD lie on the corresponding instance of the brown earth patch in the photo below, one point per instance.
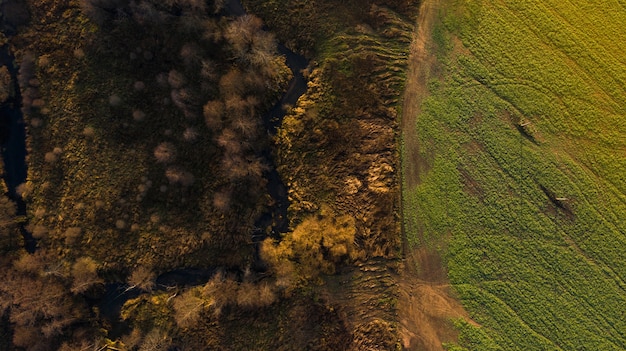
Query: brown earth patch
(427, 311)
(470, 185)
(426, 302)
(420, 64)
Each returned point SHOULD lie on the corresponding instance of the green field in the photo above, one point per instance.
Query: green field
(524, 139)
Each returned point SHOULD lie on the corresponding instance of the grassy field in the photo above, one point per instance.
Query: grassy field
(522, 146)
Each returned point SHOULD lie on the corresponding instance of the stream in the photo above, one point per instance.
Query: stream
(276, 218)
(13, 141)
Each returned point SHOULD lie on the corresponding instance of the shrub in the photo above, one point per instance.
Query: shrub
(208, 70)
(79, 53)
(229, 141)
(72, 234)
(190, 54)
(27, 70)
(143, 278)
(165, 153)
(50, 157)
(89, 132)
(38, 103)
(39, 231)
(213, 112)
(120, 224)
(138, 115)
(161, 80)
(176, 79)
(221, 200)
(84, 274)
(40, 212)
(139, 85)
(190, 134)
(176, 175)
(24, 189)
(315, 246)
(115, 100)
(36, 122)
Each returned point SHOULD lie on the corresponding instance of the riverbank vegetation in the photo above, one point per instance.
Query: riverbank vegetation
(521, 190)
(337, 145)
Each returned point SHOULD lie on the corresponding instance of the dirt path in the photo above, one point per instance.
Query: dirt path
(426, 304)
(420, 63)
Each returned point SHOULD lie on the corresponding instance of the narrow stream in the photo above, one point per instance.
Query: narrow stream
(272, 121)
(276, 218)
(13, 141)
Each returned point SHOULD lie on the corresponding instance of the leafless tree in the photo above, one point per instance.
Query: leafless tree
(142, 278)
(187, 308)
(84, 274)
(165, 153)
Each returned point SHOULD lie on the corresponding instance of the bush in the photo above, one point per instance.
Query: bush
(143, 278)
(85, 275)
(316, 246)
(165, 153)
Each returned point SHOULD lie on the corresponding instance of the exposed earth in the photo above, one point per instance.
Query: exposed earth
(426, 303)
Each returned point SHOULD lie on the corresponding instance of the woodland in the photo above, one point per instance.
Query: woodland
(147, 219)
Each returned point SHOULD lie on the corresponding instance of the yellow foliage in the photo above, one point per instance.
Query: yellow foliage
(316, 246)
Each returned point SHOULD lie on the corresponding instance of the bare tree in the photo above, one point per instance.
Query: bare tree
(231, 83)
(142, 278)
(176, 79)
(155, 340)
(213, 112)
(85, 275)
(187, 308)
(165, 152)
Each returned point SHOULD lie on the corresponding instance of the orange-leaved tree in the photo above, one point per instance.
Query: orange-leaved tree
(317, 245)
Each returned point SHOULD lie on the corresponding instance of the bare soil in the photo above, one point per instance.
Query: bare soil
(420, 64)
(426, 302)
